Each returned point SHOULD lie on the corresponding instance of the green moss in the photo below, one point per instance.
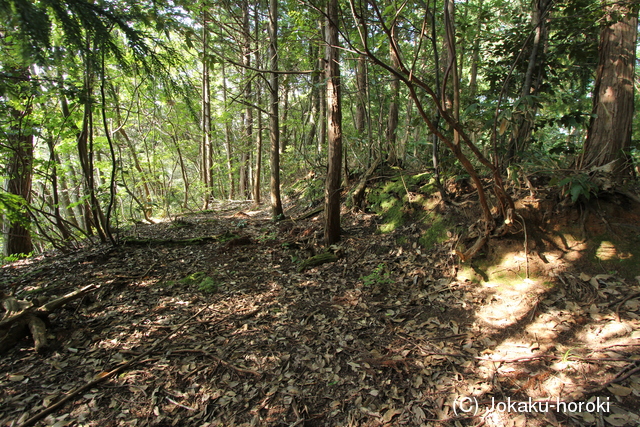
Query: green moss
(392, 214)
(402, 240)
(391, 201)
(388, 202)
(436, 233)
(226, 236)
(194, 278)
(317, 260)
(208, 286)
(468, 272)
(204, 283)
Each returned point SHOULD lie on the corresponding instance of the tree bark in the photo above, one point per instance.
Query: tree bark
(249, 123)
(609, 135)
(314, 102)
(20, 166)
(258, 143)
(227, 136)
(206, 151)
(361, 95)
(93, 213)
(452, 104)
(274, 129)
(322, 120)
(247, 115)
(55, 194)
(392, 122)
(525, 117)
(334, 128)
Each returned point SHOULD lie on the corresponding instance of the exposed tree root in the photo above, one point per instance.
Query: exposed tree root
(22, 316)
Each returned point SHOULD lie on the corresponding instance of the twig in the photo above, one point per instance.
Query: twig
(31, 421)
(620, 378)
(149, 270)
(622, 302)
(526, 244)
(179, 404)
(406, 189)
(219, 360)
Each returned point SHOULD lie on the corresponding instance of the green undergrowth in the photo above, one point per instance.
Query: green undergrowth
(307, 190)
(406, 199)
(379, 276)
(390, 199)
(202, 281)
(439, 226)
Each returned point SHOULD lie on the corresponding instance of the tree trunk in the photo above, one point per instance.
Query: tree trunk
(334, 128)
(248, 119)
(453, 102)
(93, 213)
(20, 166)
(70, 196)
(227, 136)
(274, 129)
(435, 140)
(314, 99)
(392, 122)
(257, 200)
(361, 95)
(55, 194)
(609, 135)
(322, 120)
(206, 150)
(524, 120)
(69, 213)
(284, 130)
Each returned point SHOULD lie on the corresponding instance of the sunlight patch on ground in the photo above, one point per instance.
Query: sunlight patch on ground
(509, 302)
(607, 251)
(547, 326)
(576, 249)
(601, 333)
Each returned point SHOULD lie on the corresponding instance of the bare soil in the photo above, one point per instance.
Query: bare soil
(228, 331)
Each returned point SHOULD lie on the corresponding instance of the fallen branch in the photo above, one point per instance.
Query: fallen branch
(47, 308)
(238, 369)
(104, 375)
(309, 214)
(317, 260)
(193, 241)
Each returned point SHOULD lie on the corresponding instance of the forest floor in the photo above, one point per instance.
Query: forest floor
(222, 327)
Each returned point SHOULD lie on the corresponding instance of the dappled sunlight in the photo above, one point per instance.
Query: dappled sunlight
(547, 326)
(607, 331)
(381, 333)
(607, 251)
(510, 301)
